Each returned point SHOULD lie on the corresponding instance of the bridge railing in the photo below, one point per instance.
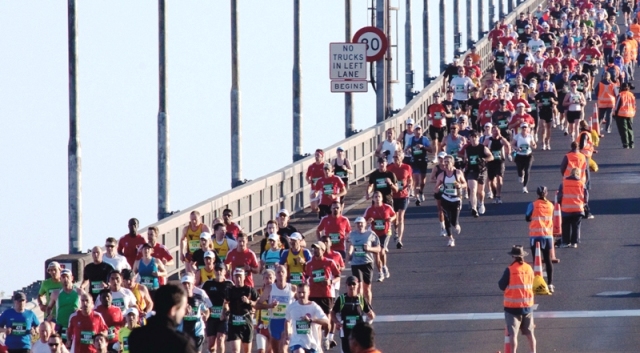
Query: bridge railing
(258, 201)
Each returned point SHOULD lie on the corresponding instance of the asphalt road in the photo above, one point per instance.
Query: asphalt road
(597, 289)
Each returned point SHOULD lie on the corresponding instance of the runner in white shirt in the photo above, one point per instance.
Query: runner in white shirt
(304, 320)
(461, 86)
(114, 259)
(535, 43)
(123, 298)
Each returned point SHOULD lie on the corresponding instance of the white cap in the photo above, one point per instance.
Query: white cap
(131, 311)
(488, 124)
(273, 236)
(188, 278)
(417, 127)
(295, 236)
(442, 154)
(210, 254)
(520, 104)
(409, 121)
(524, 125)
(53, 264)
(284, 210)
(238, 271)
(360, 220)
(66, 271)
(205, 235)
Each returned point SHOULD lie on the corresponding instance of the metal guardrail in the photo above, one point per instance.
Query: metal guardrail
(258, 201)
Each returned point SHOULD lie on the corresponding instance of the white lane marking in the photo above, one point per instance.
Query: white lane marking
(614, 278)
(613, 293)
(500, 315)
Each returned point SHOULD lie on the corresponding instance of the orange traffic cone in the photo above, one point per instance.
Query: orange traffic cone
(539, 284)
(507, 341)
(595, 124)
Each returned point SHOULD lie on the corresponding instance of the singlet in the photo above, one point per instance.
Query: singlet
(450, 193)
(136, 293)
(284, 297)
(407, 138)
(340, 171)
(476, 156)
(391, 147)
(67, 304)
(496, 148)
(295, 268)
(574, 98)
(439, 170)
(207, 275)
(221, 249)
(271, 258)
(123, 338)
(193, 238)
(146, 274)
(524, 143)
(453, 146)
(419, 154)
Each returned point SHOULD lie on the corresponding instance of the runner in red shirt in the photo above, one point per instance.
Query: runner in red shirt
(83, 324)
(521, 117)
(495, 105)
(330, 188)
(569, 62)
(527, 68)
(485, 110)
(609, 43)
(112, 316)
(494, 35)
(233, 228)
(335, 226)
(243, 257)
(506, 40)
(436, 114)
(470, 67)
(129, 244)
(315, 172)
(159, 252)
(518, 95)
(379, 216)
(401, 197)
(552, 60)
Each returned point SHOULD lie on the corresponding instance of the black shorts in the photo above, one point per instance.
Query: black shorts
(324, 210)
(384, 241)
(419, 167)
(588, 68)
(400, 204)
(481, 177)
(437, 133)
(495, 169)
(363, 272)
(572, 117)
(325, 303)
(546, 116)
(243, 332)
(626, 9)
(216, 326)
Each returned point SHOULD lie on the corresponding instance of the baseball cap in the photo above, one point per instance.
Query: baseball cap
(339, 148)
(19, 296)
(273, 236)
(238, 271)
(55, 264)
(210, 254)
(442, 154)
(417, 127)
(409, 121)
(131, 311)
(205, 235)
(520, 104)
(219, 266)
(488, 124)
(66, 271)
(187, 278)
(352, 279)
(360, 220)
(284, 210)
(295, 236)
(527, 26)
(524, 125)
(319, 245)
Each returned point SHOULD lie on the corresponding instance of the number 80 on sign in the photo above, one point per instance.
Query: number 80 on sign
(376, 42)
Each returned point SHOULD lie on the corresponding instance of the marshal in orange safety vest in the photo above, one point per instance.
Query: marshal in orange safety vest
(541, 219)
(586, 148)
(626, 107)
(518, 293)
(606, 95)
(575, 159)
(572, 195)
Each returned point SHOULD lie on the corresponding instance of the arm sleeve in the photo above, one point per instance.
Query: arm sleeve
(529, 212)
(504, 281)
(283, 257)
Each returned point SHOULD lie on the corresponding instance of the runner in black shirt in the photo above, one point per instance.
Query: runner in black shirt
(95, 276)
(350, 306)
(384, 181)
(241, 299)
(217, 290)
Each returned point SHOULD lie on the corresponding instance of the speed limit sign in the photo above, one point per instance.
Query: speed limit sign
(376, 42)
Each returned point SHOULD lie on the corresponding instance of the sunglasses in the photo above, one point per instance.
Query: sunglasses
(54, 344)
(109, 246)
(352, 284)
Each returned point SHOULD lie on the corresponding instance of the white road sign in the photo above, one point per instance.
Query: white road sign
(348, 61)
(348, 86)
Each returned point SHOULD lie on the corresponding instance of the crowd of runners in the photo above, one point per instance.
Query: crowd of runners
(547, 67)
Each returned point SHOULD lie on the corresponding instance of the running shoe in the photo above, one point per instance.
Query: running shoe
(521, 179)
(385, 270)
(609, 130)
(421, 197)
(490, 194)
(499, 199)
(544, 146)
(380, 277)
(524, 190)
(574, 245)
(325, 344)
(565, 245)
(451, 242)
(481, 208)
(591, 216)
(395, 238)
(496, 200)
(474, 213)
(458, 229)
(417, 202)
(332, 344)
(552, 288)
(399, 245)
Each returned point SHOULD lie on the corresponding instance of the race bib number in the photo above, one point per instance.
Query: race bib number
(546, 101)
(328, 189)
(335, 238)
(19, 329)
(341, 174)
(194, 245)
(503, 124)
(216, 312)
(125, 344)
(193, 315)
(524, 148)
(279, 311)
(147, 282)
(399, 184)
(438, 115)
(350, 321)
(303, 327)
(358, 251)
(378, 224)
(449, 188)
(381, 183)
(417, 151)
(459, 88)
(270, 266)
(313, 181)
(496, 154)
(118, 303)
(111, 333)
(86, 337)
(238, 320)
(318, 276)
(96, 287)
(296, 277)
(473, 160)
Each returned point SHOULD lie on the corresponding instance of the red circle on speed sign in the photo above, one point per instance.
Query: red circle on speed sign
(375, 39)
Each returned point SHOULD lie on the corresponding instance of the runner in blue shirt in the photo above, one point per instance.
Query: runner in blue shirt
(18, 323)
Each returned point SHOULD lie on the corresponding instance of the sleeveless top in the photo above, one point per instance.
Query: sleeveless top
(206, 275)
(146, 277)
(284, 297)
(340, 171)
(453, 146)
(407, 138)
(67, 304)
(391, 147)
(221, 249)
(496, 148)
(193, 238)
(524, 143)
(574, 99)
(450, 193)
(271, 257)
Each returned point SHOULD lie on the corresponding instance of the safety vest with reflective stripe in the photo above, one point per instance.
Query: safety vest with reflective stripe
(572, 196)
(541, 219)
(627, 105)
(519, 292)
(576, 160)
(606, 95)
(587, 150)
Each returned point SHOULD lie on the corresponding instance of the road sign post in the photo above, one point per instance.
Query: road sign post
(348, 67)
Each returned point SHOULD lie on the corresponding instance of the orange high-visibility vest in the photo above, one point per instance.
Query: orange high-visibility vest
(606, 95)
(541, 219)
(587, 150)
(519, 292)
(572, 196)
(576, 160)
(627, 105)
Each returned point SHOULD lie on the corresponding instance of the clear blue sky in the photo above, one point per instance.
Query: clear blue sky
(118, 100)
